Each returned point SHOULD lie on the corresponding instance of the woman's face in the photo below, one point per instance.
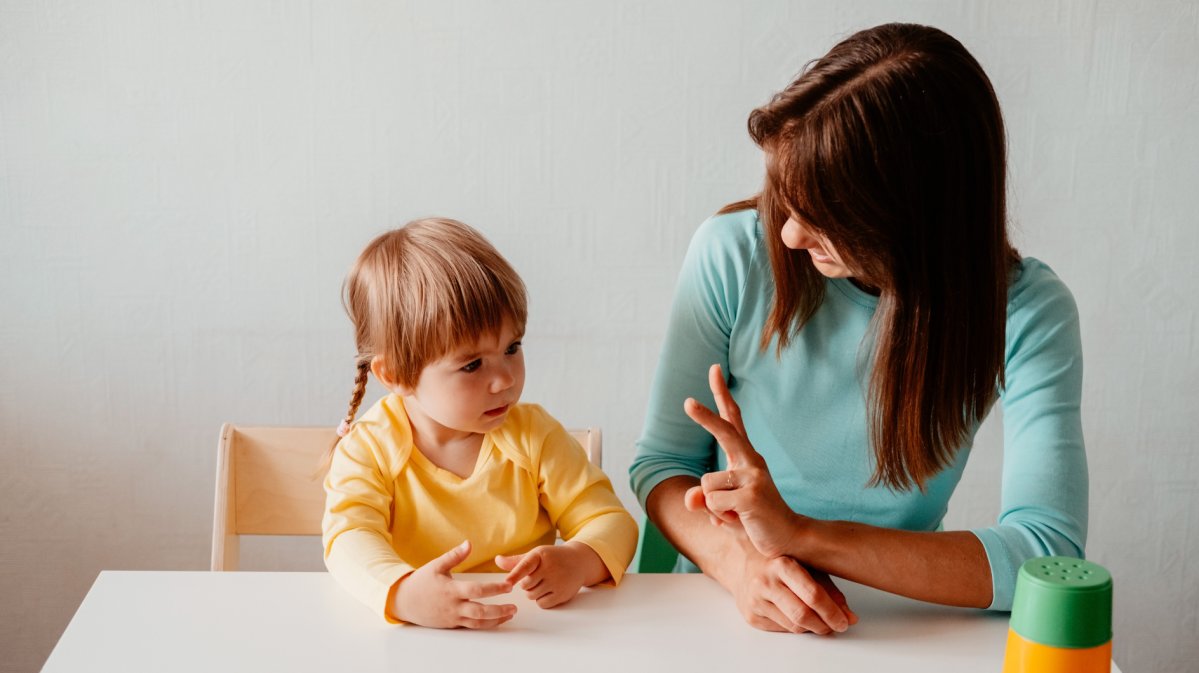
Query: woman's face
(824, 257)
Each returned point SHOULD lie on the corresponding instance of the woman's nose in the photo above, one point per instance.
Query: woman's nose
(796, 236)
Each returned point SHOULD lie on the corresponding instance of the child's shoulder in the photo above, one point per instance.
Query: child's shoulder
(524, 434)
(382, 430)
(527, 426)
(528, 416)
(384, 420)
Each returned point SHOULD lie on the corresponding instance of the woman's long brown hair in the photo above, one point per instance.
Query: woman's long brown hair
(892, 146)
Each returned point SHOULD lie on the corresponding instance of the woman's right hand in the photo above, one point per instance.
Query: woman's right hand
(779, 594)
(742, 499)
(431, 596)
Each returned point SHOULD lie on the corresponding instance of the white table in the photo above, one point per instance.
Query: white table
(205, 621)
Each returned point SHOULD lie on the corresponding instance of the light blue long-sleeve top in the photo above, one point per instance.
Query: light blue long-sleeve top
(806, 412)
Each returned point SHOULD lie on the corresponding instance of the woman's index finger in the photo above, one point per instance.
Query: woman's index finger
(720, 390)
(725, 403)
(736, 449)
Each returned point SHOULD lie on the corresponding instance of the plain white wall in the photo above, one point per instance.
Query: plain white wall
(183, 185)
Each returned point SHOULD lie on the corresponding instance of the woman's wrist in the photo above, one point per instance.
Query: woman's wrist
(726, 563)
(803, 540)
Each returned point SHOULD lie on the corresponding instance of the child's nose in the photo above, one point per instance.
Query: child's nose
(503, 379)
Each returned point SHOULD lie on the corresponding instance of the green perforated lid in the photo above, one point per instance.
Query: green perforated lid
(1063, 602)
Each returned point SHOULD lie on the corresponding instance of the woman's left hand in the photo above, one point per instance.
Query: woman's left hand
(742, 498)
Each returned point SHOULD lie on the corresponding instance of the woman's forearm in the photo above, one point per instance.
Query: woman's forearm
(766, 590)
(949, 568)
(946, 568)
(691, 533)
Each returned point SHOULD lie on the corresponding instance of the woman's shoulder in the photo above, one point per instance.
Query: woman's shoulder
(724, 253)
(1035, 289)
(1041, 310)
(736, 234)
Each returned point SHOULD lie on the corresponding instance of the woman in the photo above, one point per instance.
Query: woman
(869, 311)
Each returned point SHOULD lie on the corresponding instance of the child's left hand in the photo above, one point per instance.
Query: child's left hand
(553, 574)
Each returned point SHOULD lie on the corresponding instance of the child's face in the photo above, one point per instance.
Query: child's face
(471, 389)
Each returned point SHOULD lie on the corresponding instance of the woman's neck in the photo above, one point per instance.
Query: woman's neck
(868, 289)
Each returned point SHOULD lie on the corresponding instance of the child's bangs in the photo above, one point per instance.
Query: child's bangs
(453, 288)
(475, 304)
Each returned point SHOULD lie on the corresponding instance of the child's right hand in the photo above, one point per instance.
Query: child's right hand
(432, 597)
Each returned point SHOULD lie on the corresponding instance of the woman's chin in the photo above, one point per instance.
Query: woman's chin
(831, 270)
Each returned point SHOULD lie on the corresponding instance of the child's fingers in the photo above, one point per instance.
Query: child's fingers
(527, 565)
(442, 565)
(482, 611)
(482, 623)
(508, 562)
(531, 582)
(540, 591)
(469, 590)
(548, 600)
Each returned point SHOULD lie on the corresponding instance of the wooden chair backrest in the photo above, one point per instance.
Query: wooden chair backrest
(269, 481)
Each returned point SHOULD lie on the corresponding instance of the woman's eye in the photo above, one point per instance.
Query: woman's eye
(513, 349)
(472, 366)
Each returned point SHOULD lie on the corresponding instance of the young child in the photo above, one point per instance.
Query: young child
(449, 473)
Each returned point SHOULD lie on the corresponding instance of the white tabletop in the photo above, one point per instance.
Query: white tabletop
(206, 621)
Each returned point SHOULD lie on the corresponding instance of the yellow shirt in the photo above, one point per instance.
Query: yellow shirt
(389, 510)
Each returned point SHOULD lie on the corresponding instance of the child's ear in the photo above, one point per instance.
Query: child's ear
(379, 369)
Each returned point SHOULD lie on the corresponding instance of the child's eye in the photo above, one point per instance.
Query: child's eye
(472, 366)
(513, 349)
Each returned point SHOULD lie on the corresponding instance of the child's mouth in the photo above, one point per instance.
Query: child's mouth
(497, 411)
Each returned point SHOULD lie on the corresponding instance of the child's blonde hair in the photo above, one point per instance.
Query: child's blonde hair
(423, 290)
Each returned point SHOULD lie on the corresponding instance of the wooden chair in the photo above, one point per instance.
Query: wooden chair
(267, 483)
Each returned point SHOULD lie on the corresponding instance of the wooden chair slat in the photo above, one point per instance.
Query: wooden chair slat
(270, 482)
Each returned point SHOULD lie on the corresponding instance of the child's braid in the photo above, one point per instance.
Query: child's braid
(364, 368)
